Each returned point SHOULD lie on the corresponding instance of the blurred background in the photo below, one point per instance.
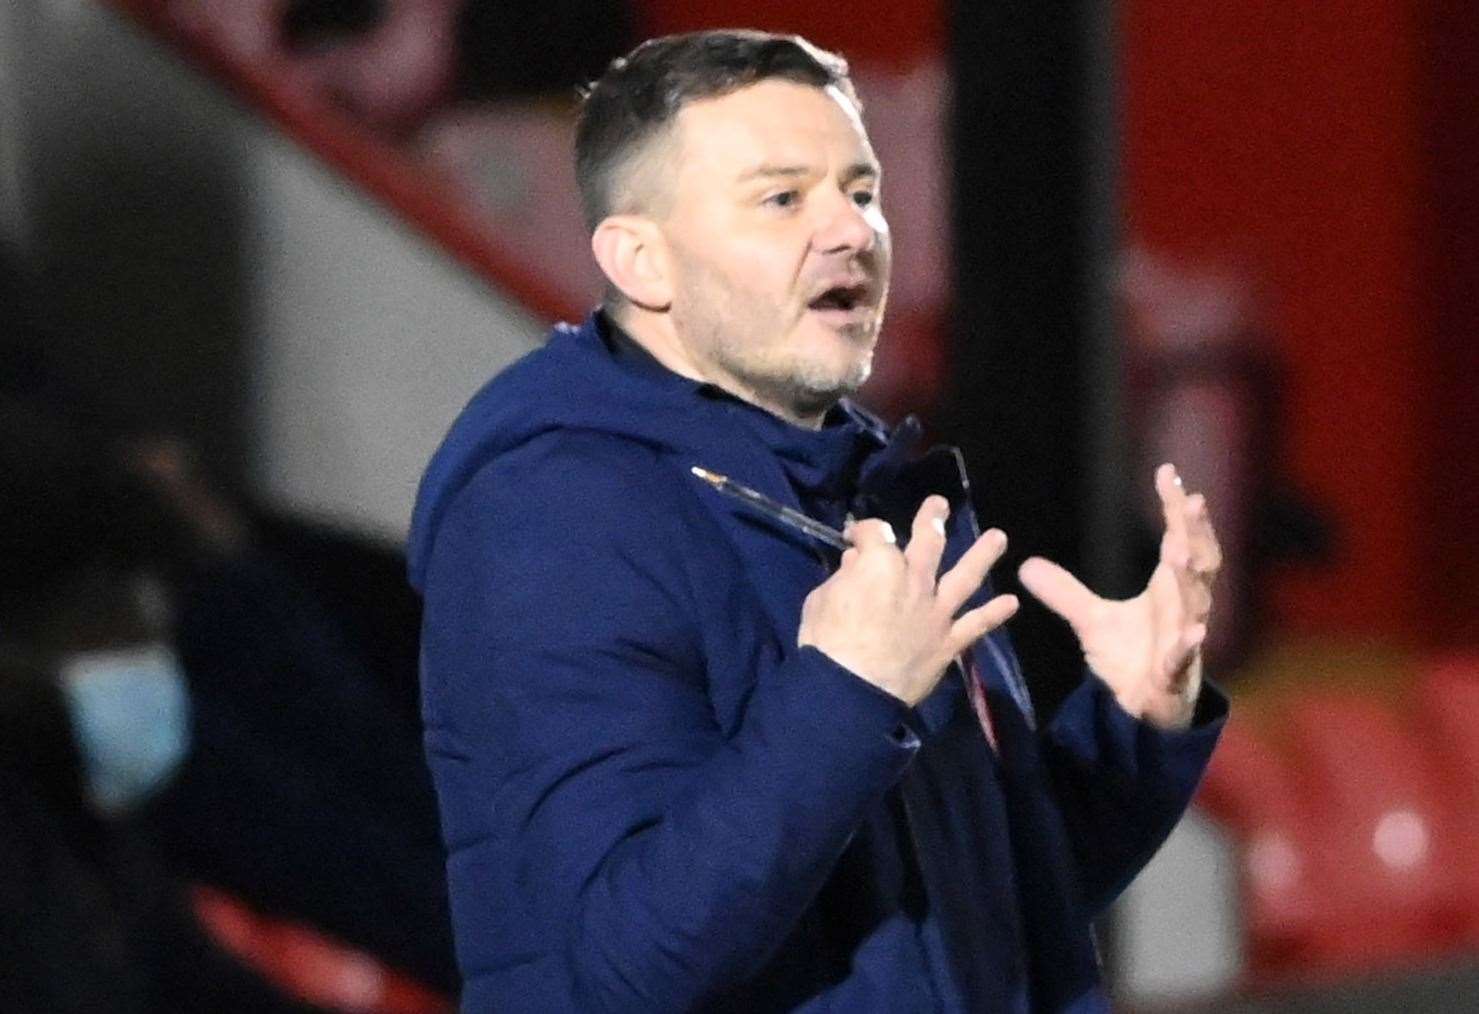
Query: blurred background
(255, 255)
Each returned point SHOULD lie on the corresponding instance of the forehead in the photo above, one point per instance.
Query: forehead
(775, 122)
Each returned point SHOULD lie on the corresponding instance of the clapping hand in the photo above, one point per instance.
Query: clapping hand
(1148, 649)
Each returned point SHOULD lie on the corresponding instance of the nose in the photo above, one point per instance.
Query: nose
(845, 228)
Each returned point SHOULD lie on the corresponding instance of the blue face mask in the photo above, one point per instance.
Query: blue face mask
(131, 713)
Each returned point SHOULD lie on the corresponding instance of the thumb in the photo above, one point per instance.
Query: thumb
(1057, 589)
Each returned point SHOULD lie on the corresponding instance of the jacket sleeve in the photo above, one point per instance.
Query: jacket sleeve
(1122, 783)
(600, 824)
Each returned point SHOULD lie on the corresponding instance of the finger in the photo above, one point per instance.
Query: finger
(1179, 660)
(1175, 608)
(976, 624)
(1181, 624)
(927, 539)
(1193, 557)
(1175, 551)
(1203, 549)
(873, 534)
(1059, 590)
(1186, 595)
(1176, 554)
(1173, 499)
(1197, 604)
(960, 582)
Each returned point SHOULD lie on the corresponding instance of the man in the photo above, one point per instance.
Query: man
(690, 758)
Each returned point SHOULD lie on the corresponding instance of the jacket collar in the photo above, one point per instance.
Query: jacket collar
(821, 463)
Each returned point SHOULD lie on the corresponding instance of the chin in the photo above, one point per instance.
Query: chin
(835, 377)
(846, 354)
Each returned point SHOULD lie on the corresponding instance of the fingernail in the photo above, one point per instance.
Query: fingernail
(888, 534)
(939, 524)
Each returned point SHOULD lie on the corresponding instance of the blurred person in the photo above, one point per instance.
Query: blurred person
(689, 756)
(387, 64)
(397, 66)
(309, 797)
(94, 721)
(494, 42)
(296, 779)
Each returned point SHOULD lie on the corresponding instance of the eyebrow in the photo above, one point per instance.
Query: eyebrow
(855, 171)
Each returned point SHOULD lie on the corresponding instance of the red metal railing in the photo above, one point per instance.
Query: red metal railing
(418, 193)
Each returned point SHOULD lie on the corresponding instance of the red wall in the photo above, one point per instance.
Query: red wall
(890, 34)
(1287, 140)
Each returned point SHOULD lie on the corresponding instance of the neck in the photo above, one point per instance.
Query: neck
(655, 332)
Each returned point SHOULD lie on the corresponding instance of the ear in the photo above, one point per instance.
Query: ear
(632, 254)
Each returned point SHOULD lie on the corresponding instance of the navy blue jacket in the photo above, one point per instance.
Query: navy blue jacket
(653, 800)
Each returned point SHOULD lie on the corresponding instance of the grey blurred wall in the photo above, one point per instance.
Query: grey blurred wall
(132, 202)
(12, 225)
(207, 276)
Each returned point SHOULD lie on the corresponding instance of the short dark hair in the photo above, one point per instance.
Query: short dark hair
(641, 93)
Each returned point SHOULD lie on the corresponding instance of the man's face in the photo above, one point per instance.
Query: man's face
(780, 251)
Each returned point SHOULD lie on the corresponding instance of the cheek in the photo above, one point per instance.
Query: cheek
(757, 278)
(768, 277)
(751, 271)
(762, 259)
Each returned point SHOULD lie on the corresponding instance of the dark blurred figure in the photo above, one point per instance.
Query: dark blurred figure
(387, 63)
(94, 720)
(393, 65)
(259, 674)
(508, 49)
(309, 795)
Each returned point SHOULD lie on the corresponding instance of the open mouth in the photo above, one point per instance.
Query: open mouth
(842, 301)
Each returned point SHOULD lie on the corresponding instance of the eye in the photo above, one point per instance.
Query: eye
(784, 199)
(863, 198)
